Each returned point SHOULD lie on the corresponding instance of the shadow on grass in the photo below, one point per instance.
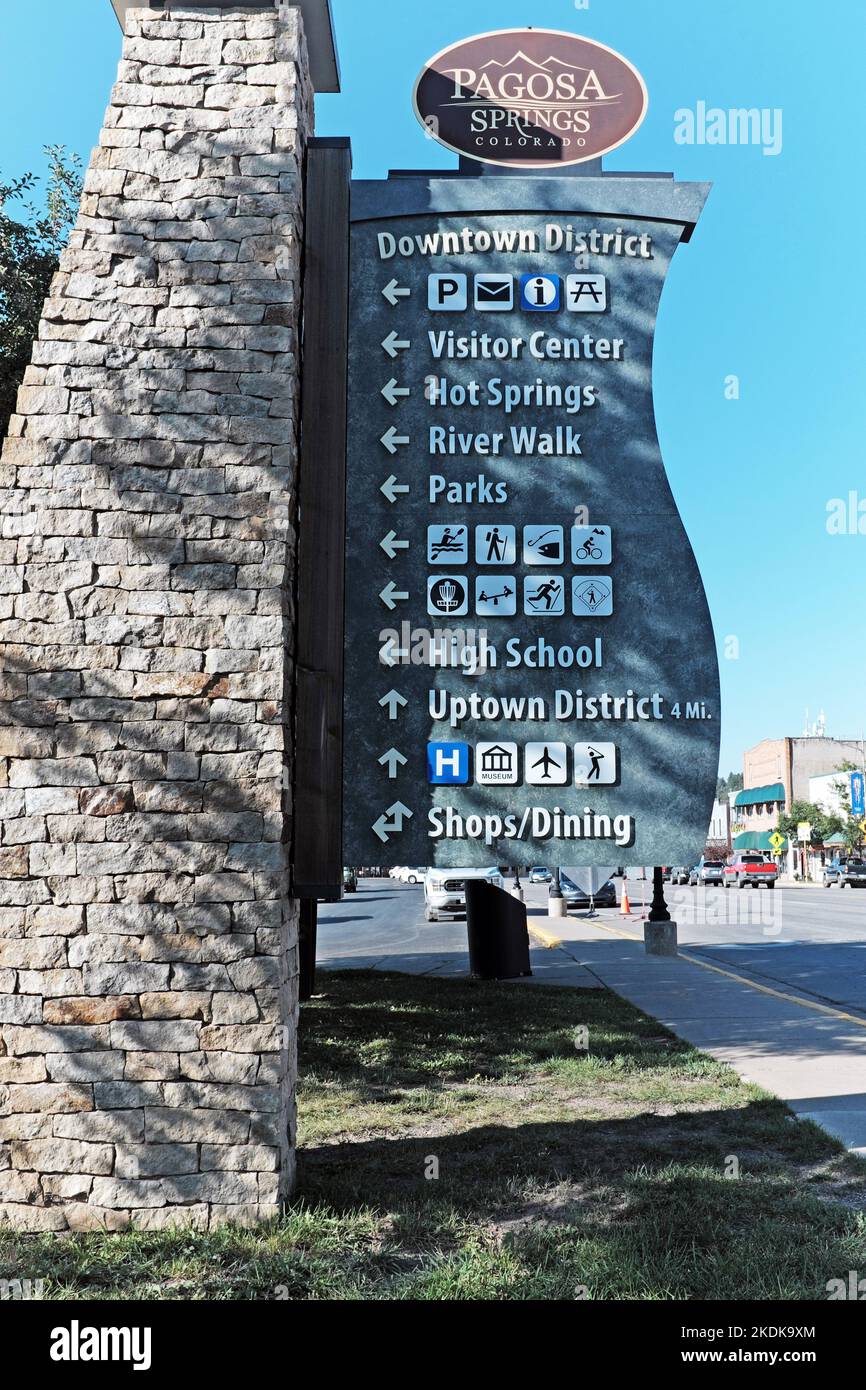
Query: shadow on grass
(462, 1148)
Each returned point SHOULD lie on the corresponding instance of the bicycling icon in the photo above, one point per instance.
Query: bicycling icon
(591, 545)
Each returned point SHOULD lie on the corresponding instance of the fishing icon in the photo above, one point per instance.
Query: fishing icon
(543, 545)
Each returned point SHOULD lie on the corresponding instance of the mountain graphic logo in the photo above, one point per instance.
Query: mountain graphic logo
(541, 98)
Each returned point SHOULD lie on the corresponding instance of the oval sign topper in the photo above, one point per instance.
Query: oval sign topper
(530, 97)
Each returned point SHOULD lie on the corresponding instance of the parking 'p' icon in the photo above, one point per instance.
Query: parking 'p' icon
(447, 293)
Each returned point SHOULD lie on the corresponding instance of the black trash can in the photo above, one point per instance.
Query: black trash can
(498, 935)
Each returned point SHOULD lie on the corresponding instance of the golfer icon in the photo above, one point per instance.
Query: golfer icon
(495, 546)
(546, 596)
(596, 760)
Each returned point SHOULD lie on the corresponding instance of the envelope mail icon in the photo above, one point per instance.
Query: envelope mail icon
(494, 292)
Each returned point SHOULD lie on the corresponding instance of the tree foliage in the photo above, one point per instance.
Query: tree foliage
(732, 783)
(823, 825)
(31, 241)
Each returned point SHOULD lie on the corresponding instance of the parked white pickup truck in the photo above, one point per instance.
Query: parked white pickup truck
(445, 890)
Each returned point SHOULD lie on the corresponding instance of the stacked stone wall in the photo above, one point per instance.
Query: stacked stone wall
(148, 968)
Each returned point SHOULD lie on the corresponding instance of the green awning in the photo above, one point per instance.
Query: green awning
(758, 839)
(774, 792)
(837, 839)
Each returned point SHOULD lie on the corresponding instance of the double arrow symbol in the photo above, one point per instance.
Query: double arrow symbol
(392, 760)
(394, 293)
(384, 827)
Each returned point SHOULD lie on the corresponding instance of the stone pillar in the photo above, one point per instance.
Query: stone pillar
(148, 945)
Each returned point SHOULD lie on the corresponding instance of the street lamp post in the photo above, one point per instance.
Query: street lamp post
(659, 932)
(556, 904)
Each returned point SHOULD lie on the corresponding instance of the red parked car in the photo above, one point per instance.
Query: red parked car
(750, 870)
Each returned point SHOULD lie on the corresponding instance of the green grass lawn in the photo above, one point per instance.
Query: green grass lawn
(562, 1173)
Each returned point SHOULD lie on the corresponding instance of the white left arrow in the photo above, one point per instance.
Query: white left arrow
(390, 544)
(392, 760)
(391, 439)
(394, 292)
(391, 595)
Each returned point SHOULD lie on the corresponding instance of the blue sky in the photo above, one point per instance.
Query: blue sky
(768, 289)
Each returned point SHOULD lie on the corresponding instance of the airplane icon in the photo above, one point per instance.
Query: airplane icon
(545, 764)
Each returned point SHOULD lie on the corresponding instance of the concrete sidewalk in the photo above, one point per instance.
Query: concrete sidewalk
(809, 1054)
(812, 1056)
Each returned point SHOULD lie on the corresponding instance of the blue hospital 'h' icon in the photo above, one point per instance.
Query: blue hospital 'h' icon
(448, 764)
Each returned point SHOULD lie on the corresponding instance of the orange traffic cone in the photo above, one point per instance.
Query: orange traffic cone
(625, 905)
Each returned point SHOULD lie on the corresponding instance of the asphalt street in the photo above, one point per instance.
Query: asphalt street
(774, 983)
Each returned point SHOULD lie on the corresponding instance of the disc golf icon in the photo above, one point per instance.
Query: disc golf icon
(446, 594)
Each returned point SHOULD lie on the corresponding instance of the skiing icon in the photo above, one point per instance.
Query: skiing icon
(544, 594)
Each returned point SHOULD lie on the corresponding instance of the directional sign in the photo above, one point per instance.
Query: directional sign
(392, 391)
(394, 292)
(531, 674)
(391, 488)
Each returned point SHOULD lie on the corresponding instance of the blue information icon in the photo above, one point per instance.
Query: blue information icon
(448, 764)
(540, 294)
(496, 595)
(543, 545)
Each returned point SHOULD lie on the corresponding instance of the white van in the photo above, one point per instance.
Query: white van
(445, 889)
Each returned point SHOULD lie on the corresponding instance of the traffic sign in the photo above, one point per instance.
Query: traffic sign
(525, 621)
(777, 841)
